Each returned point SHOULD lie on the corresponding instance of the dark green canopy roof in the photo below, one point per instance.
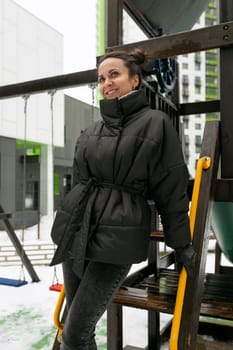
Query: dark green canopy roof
(171, 15)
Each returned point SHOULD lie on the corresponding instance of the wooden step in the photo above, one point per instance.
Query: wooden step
(159, 294)
(157, 236)
(202, 344)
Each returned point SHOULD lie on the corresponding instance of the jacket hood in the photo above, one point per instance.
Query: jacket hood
(116, 112)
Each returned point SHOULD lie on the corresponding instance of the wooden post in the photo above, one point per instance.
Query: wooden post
(114, 327)
(114, 30)
(19, 248)
(226, 88)
(194, 286)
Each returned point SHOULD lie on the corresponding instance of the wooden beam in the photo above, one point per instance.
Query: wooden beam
(50, 83)
(160, 47)
(199, 107)
(139, 19)
(203, 39)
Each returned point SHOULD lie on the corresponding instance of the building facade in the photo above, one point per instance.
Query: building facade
(30, 49)
(198, 81)
(37, 132)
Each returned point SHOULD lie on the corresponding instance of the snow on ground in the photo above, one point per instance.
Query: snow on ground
(26, 313)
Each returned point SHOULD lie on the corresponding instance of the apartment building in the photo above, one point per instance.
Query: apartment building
(198, 79)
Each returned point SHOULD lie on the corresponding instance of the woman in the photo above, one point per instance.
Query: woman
(120, 162)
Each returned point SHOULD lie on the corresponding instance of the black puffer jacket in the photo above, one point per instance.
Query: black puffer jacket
(131, 156)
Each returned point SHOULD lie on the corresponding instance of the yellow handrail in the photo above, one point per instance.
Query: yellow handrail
(56, 317)
(203, 163)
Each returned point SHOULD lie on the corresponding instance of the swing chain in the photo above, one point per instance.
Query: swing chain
(55, 277)
(25, 97)
(93, 87)
(22, 273)
(52, 92)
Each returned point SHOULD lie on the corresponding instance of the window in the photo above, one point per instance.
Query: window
(197, 80)
(197, 66)
(198, 126)
(185, 91)
(211, 69)
(185, 79)
(186, 123)
(185, 99)
(211, 81)
(197, 89)
(198, 148)
(197, 57)
(197, 140)
(186, 151)
(197, 85)
(186, 139)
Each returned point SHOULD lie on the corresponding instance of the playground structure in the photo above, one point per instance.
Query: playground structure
(154, 287)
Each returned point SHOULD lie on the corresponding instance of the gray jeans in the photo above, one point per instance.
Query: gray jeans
(87, 299)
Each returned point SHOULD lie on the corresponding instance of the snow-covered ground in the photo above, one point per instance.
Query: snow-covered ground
(26, 313)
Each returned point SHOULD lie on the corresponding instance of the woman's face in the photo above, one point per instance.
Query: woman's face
(114, 80)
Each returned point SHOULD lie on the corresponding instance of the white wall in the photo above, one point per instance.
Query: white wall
(29, 49)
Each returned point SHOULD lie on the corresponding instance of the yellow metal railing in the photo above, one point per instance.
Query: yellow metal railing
(56, 317)
(202, 164)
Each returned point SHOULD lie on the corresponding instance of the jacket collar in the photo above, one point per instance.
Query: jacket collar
(115, 112)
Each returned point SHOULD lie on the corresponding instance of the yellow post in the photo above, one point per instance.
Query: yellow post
(56, 317)
(203, 164)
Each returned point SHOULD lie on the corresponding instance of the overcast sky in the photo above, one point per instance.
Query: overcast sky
(76, 20)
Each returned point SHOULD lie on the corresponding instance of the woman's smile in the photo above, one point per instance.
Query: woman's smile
(110, 93)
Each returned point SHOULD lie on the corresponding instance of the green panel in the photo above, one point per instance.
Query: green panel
(101, 28)
(56, 184)
(33, 148)
(222, 223)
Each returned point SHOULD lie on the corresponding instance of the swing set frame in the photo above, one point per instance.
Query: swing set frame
(20, 251)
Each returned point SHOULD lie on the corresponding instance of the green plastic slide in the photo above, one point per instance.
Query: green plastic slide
(222, 224)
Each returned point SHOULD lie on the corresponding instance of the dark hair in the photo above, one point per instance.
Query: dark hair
(133, 60)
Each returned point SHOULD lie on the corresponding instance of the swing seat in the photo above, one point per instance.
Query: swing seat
(12, 282)
(56, 287)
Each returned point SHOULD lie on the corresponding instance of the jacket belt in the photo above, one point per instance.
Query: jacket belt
(75, 237)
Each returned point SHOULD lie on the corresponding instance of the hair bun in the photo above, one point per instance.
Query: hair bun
(138, 56)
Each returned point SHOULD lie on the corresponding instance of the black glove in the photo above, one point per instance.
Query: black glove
(186, 257)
